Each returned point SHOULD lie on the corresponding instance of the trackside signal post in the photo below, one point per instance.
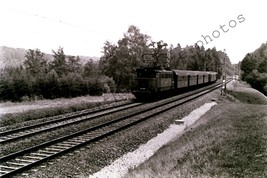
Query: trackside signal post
(223, 89)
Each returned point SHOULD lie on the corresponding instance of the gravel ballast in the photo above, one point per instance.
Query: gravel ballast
(130, 160)
(92, 158)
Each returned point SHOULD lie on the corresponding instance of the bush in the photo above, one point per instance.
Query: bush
(257, 80)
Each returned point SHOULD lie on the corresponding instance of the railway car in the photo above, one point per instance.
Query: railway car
(185, 78)
(154, 82)
(212, 77)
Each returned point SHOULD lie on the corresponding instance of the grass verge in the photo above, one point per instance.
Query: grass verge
(40, 109)
(14, 118)
(229, 141)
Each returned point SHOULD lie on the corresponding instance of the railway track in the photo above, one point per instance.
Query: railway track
(27, 158)
(23, 132)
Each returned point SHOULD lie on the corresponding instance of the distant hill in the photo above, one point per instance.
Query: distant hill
(14, 57)
(11, 57)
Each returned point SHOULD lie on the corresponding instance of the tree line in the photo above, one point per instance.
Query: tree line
(254, 69)
(65, 75)
(119, 61)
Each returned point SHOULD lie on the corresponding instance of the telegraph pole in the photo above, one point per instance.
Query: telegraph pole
(224, 76)
(223, 90)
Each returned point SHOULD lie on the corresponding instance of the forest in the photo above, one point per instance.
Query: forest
(254, 69)
(47, 76)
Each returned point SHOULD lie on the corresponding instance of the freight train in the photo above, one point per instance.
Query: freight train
(153, 82)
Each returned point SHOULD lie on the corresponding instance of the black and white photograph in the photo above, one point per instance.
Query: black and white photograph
(133, 89)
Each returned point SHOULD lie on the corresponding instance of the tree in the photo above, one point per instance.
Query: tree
(71, 85)
(216, 60)
(74, 64)
(254, 68)
(90, 69)
(258, 81)
(59, 64)
(193, 60)
(52, 85)
(6, 84)
(35, 62)
(248, 64)
(262, 68)
(120, 60)
(14, 84)
(159, 55)
(178, 59)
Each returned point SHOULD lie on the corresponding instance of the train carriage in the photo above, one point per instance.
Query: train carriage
(165, 80)
(200, 79)
(180, 79)
(153, 82)
(192, 78)
(206, 78)
(212, 77)
(185, 78)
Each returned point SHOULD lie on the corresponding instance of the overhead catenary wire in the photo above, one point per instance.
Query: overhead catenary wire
(72, 33)
(60, 22)
(57, 21)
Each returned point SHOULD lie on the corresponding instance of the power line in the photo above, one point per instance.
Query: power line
(57, 21)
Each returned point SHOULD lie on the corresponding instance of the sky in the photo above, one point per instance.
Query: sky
(82, 27)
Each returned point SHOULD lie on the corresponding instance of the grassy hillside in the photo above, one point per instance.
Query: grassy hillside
(229, 141)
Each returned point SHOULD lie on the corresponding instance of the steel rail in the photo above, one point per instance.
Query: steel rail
(73, 139)
(7, 135)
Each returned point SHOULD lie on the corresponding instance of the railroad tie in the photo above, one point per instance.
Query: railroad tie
(17, 164)
(26, 160)
(34, 157)
(41, 154)
(48, 152)
(8, 167)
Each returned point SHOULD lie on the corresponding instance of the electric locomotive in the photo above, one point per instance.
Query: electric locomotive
(153, 81)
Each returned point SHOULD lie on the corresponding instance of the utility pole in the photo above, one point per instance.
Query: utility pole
(223, 89)
(224, 76)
